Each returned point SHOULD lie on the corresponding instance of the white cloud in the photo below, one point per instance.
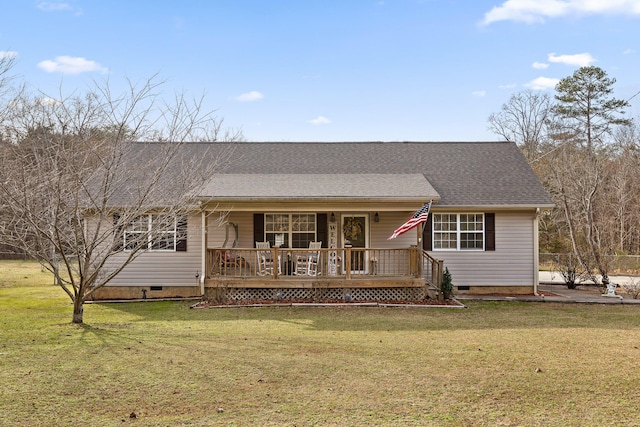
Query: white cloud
(628, 51)
(540, 65)
(580, 59)
(71, 65)
(320, 120)
(508, 86)
(53, 7)
(537, 11)
(46, 101)
(254, 95)
(542, 83)
(479, 93)
(8, 54)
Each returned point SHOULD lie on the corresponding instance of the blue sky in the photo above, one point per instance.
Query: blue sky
(349, 70)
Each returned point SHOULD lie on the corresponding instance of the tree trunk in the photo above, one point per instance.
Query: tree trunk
(78, 308)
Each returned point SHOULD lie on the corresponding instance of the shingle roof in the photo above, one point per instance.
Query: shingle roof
(462, 173)
(413, 187)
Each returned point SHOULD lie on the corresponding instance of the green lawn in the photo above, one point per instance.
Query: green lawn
(493, 364)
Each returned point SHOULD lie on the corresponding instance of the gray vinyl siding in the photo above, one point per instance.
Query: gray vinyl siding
(216, 231)
(511, 264)
(389, 221)
(379, 231)
(164, 268)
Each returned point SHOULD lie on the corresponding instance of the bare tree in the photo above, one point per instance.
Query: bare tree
(523, 120)
(7, 62)
(622, 199)
(78, 172)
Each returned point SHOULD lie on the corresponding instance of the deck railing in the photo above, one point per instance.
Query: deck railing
(433, 270)
(347, 263)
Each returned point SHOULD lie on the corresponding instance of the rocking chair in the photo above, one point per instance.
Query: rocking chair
(226, 259)
(308, 265)
(265, 265)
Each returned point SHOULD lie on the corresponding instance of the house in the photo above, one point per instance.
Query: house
(350, 197)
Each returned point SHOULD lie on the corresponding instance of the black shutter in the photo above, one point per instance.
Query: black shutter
(322, 234)
(426, 234)
(258, 228)
(181, 234)
(489, 231)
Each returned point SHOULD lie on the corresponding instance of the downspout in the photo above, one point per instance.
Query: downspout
(536, 253)
(203, 260)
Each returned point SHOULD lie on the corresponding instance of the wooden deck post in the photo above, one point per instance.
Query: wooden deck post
(347, 261)
(437, 278)
(276, 261)
(415, 261)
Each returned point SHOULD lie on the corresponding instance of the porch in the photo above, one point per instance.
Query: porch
(330, 273)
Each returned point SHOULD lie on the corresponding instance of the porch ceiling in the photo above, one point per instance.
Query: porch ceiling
(392, 187)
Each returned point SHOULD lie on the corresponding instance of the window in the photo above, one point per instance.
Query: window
(290, 230)
(156, 232)
(458, 231)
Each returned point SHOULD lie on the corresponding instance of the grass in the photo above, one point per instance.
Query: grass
(493, 364)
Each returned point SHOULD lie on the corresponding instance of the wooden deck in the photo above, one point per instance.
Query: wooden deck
(321, 268)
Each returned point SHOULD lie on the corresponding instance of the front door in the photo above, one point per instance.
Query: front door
(355, 232)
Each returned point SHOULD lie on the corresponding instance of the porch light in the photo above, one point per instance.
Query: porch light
(376, 217)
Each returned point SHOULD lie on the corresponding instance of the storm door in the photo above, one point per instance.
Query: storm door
(355, 232)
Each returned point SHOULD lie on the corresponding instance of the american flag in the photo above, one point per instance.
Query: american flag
(419, 217)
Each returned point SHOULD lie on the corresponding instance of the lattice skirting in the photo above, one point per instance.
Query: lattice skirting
(317, 294)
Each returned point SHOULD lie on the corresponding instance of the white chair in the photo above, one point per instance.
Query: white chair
(265, 262)
(314, 258)
(308, 265)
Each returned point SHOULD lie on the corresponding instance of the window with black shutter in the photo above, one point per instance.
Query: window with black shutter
(460, 232)
(152, 232)
(290, 230)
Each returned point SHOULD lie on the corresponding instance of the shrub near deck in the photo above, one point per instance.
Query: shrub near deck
(495, 363)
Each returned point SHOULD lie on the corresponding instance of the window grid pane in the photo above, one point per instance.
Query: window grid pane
(280, 240)
(302, 240)
(471, 222)
(163, 232)
(165, 240)
(444, 235)
(444, 241)
(458, 231)
(471, 241)
(152, 232)
(290, 230)
(140, 224)
(276, 222)
(303, 222)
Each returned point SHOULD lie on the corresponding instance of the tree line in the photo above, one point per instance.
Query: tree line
(587, 155)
